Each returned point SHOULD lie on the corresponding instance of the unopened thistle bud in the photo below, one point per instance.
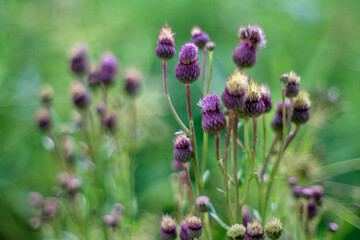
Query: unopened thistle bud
(110, 121)
(198, 37)
(188, 68)
(318, 192)
(184, 233)
(254, 231)
(273, 229)
(245, 54)
(213, 121)
(292, 82)
(194, 226)
(168, 228)
(312, 209)
(292, 181)
(266, 97)
(183, 151)
(233, 96)
(80, 95)
(132, 81)
(111, 220)
(236, 232)
(50, 207)
(46, 95)
(43, 118)
(101, 109)
(79, 59)
(73, 186)
(210, 46)
(109, 68)
(178, 166)
(333, 227)
(301, 111)
(201, 202)
(253, 106)
(35, 198)
(165, 48)
(297, 191)
(93, 78)
(277, 120)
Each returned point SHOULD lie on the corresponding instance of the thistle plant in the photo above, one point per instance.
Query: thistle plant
(245, 100)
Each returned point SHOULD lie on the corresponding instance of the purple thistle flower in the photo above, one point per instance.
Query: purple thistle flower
(213, 121)
(292, 181)
(79, 59)
(80, 95)
(292, 84)
(194, 226)
(297, 191)
(110, 121)
(333, 227)
(307, 193)
(301, 112)
(233, 96)
(312, 209)
(168, 228)
(132, 81)
(109, 68)
(198, 37)
(266, 97)
(253, 106)
(254, 231)
(200, 203)
(318, 192)
(165, 48)
(184, 233)
(178, 166)
(93, 78)
(35, 198)
(245, 54)
(43, 118)
(188, 68)
(277, 121)
(183, 151)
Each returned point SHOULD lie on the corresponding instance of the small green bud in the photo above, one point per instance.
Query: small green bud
(273, 229)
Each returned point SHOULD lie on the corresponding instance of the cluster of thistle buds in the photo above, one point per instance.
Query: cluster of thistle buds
(191, 228)
(254, 230)
(243, 98)
(44, 209)
(113, 219)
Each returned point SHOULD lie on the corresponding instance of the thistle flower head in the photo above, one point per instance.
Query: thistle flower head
(168, 223)
(110, 121)
(318, 192)
(46, 94)
(307, 193)
(333, 227)
(198, 37)
(302, 101)
(252, 91)
(178, 166)
(236, 232)
(166, 33)
(237, 82)
(79, 61)
(200, 203)
(80, 96)
(297, 191)
(266, 96)
(290, 77)
(183, 151)
(109, 68)
(273, 229)
(184, 233)
(213, 121)
(254, 35)
(111, 220)
(210, 46)
(181, 140)
(43, 118)
(279, 105)
(292, 181)
(35, 198)
(132, 81)
(254, 231)
(194, 226)
(188, 53)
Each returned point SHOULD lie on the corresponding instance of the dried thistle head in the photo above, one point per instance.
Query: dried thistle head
(253, 92)
(302, 101)
(166, 33)
(254, 35)
(237, 82)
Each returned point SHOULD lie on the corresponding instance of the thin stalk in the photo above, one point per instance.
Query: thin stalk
(239, 142)
(193, 138)
(188, 184)
(234, 164)
(204, 72)
(177, 118)
(207, 226)
(267, 159)
(204, 153)
(288, 125)
(306, 219)
(264, 136)
(61, 159)
(292, 136)
(246, 136)
(210, 70)
(132, 162)
(225, 162)
(217, 151)
(252, 160)
(278, 160)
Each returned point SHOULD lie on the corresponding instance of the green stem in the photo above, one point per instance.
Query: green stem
(207, 226)
(278, 160)
(193, 139)
(188, 184)
(225, 162)
(218, 154)
(204, 153)
(203, 71)
(210, 70)
(132, 163)
(292, 136)
(267, 159)
(177, 118)
(288, 124)
(234, 164)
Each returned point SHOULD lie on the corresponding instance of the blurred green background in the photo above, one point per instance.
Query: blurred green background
(319, 39)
